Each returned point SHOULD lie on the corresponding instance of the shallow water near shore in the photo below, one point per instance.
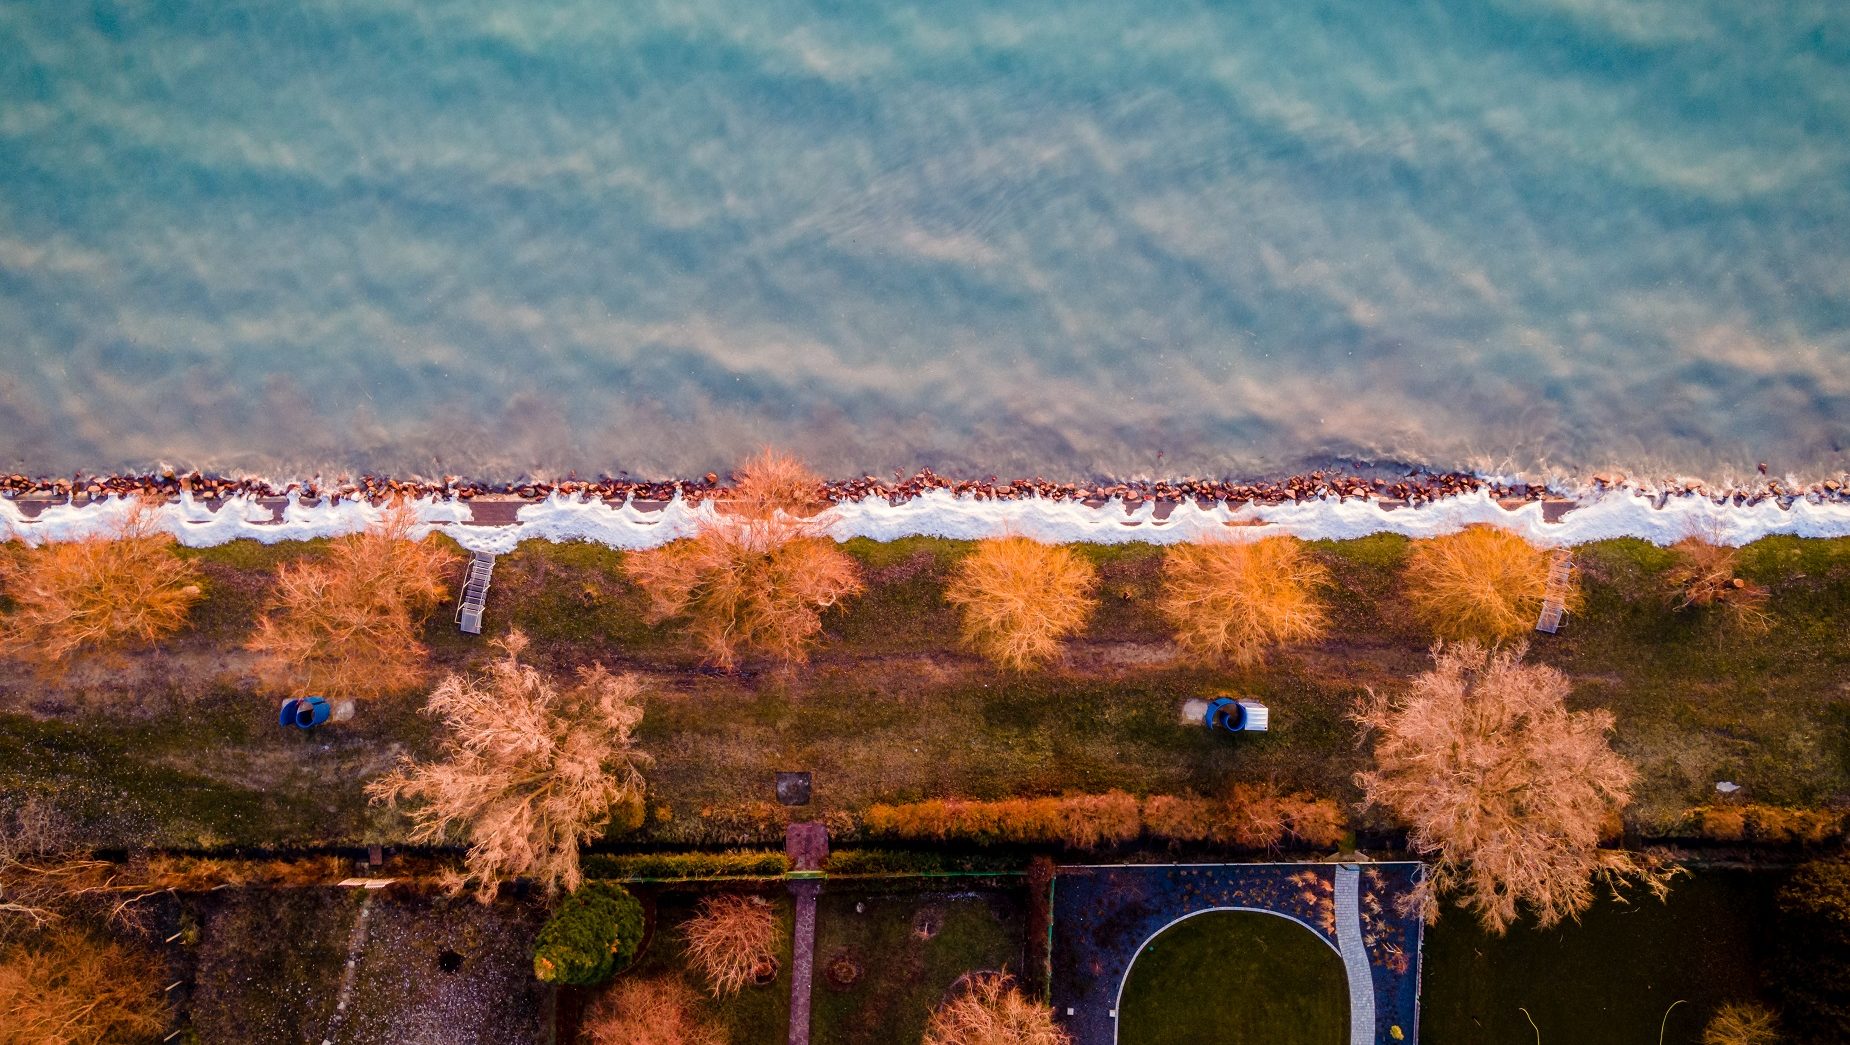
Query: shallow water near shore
(1072, 239)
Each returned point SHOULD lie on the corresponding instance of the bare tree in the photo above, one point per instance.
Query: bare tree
(70, 988)
(757, 575)
(1742, 1023)
(527, 772)
(991, 1010)
(1705, 574)
(1503, 787)
(1482, 583)
(1239, 599)
(98, 594)
(347, 624)
(1020, 598)
(657, 1010)
(731, 940)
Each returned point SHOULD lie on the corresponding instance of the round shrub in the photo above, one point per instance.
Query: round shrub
(593, 933)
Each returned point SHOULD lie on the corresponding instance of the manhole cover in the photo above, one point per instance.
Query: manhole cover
(793, 789)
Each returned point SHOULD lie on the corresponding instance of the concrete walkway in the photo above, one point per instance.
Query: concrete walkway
(1355, 955)
(802, 957)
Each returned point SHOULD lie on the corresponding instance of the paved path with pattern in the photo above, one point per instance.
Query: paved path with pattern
(1355, 955)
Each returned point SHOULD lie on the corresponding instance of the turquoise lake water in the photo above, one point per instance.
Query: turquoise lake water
(1070, 238)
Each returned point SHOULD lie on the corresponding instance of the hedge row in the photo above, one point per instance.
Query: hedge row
(1762, 823)
(1250, 817)
(744, 862)
(891, 861)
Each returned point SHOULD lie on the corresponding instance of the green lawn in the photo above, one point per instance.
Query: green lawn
(910, 949)
(178, 748)
(1235, 978)
(1610, 978)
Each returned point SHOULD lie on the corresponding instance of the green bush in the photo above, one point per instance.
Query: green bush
(1814, 908)
(892, 861)
(593, 933)
(736, 863)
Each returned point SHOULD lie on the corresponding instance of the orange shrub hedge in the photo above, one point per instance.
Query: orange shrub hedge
(1765, 823)
(1079, 821)
(1251, 817)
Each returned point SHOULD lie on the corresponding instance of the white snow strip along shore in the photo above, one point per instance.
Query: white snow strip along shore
(939, 513)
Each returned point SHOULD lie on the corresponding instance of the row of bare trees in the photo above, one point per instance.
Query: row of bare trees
(758, 574)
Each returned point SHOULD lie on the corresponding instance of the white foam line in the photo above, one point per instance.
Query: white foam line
(939, 513)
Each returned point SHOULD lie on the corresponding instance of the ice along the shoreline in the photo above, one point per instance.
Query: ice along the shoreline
(499, 525)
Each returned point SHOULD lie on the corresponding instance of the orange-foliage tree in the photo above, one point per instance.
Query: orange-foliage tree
(527, 771)
(1502, 787)
(70, 988)
(1020, 598)
(731, 940)
(1482, 583)
(346, 624)
(1237, 600)
(1703, 575)
(657, 1010)
(757, 574)
(98, 594)
(991, 1010)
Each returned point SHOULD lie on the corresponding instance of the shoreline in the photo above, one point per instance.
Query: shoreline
(496, 523)
(1414, 488)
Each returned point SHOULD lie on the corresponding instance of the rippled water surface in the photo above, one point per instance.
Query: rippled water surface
(1071, 237)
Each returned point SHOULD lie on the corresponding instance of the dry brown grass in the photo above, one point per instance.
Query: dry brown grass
(1237, 600)
(1020, 598)
(1742, 1023)
(99, 594)
(659, 1010)
(757, 575)
(1502, 787)
(731, 940)
(68, 988)
(527, 771)
(1704, 576)
(1482, 583)
(991, 1010)
(346, 625)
